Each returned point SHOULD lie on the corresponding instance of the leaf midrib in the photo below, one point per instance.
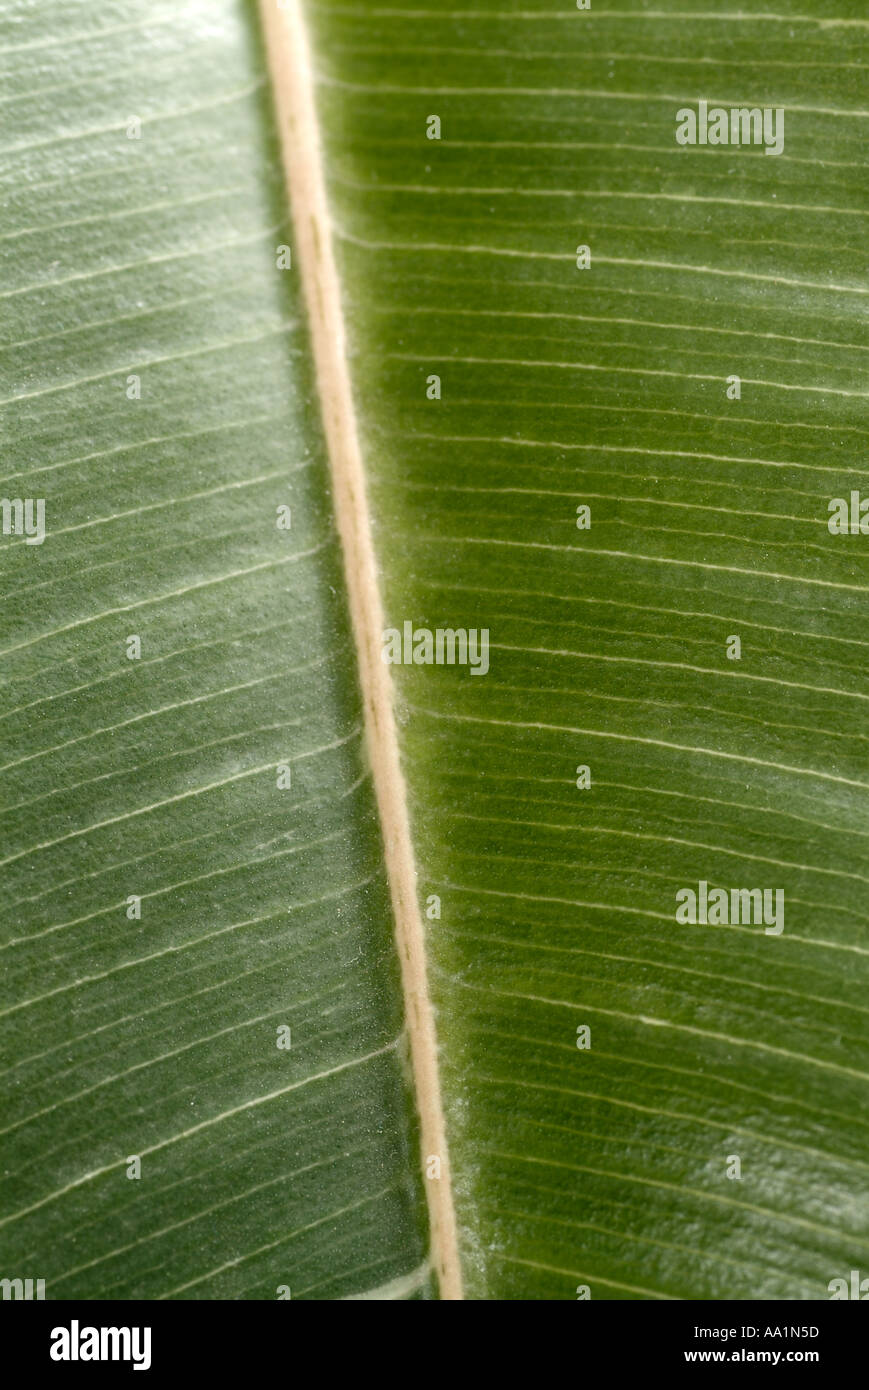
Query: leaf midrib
(293, 90)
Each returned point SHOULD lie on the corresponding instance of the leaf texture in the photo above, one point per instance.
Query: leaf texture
(607, 386)
(158, 398)
(606, 1169)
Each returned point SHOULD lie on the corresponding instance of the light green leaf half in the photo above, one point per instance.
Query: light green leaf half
(262, 907)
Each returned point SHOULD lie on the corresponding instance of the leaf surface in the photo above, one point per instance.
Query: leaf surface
(607, 387)
(158, 397)
(636, 1107)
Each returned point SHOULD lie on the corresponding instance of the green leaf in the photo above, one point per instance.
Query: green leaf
(607, 387)
(549, 905)
(169, 907)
